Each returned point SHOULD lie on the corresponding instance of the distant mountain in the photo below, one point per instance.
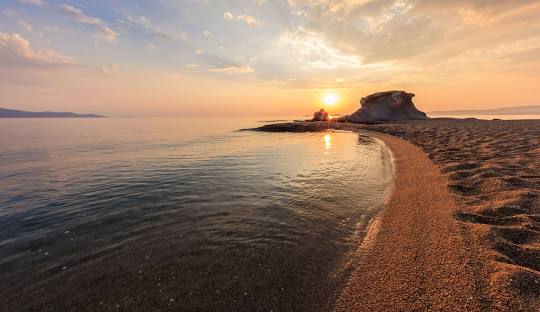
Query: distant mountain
(12, 113)
(516, 110)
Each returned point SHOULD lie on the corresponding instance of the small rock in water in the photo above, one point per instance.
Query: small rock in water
(321, 115)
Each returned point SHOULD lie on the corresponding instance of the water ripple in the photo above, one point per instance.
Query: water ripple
(233, 220)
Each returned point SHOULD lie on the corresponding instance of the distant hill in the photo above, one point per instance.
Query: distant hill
(516, 110)
(12, 113)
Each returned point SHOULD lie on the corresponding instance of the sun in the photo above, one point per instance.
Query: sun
(330, 99)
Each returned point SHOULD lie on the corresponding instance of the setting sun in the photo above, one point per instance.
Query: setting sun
(330, 99)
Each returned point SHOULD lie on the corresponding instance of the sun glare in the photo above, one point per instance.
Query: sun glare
(328, 141)
(330, 98)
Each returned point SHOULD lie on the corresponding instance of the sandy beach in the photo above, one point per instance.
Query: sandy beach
(461, 230)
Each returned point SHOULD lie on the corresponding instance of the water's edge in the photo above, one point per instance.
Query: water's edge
(367, 228)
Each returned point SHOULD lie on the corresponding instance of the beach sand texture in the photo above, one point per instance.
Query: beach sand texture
(493, 171)
(461, 231)
(419, 260)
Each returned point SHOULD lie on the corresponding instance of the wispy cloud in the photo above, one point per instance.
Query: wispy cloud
(15, 50)
(8, 13)
(228, 16)
(108, 69)
(248, 19)
(312, 51)
(25, 25)
(232, 69)
(34, 2)
(79, 16)
(224, 69)
(144, 25)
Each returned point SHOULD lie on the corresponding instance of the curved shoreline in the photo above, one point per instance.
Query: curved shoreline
(486, 175)
(416, 258)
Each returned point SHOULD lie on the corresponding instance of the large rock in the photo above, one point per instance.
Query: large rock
(387, 106)
(321, 115)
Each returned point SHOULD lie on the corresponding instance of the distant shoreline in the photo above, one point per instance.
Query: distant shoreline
(516, 110)
(13, 113)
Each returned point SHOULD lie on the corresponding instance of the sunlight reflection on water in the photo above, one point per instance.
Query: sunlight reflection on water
(327, 141)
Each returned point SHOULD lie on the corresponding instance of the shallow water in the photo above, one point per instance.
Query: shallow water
(180, 214)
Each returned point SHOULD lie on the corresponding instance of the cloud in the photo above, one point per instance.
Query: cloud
(25, 25)
(16, 51)
(144, 25)
(232, 69)
(249, 20)
(312, 51)
(108, 69)
(228, 16)
(207, 33)
(8, 13)
(34, 2)
(79, 16)
(418, 32)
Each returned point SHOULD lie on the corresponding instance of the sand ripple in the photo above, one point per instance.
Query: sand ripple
(494, 172)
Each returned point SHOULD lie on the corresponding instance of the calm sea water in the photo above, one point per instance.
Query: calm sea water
(180, 214)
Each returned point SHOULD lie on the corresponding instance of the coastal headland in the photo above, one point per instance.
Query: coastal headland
(461, 230)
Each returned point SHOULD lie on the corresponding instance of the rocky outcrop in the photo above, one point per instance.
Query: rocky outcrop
(387, 106)
(321, 115)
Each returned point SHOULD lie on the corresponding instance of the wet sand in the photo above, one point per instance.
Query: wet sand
(461, 231)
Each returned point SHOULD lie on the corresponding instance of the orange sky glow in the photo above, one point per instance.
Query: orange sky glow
(273, 58)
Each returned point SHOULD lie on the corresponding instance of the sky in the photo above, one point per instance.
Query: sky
(265, 57)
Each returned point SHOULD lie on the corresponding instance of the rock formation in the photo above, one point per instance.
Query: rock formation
(387, 106)
(321, 115)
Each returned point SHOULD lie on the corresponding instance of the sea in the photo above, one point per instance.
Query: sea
(181, 214)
